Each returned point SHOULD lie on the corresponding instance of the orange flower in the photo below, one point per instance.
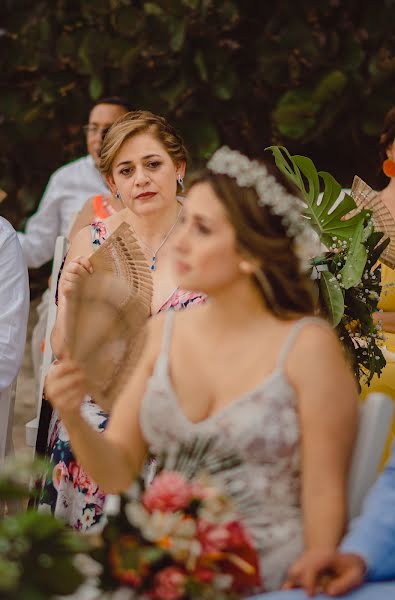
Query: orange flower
(389, 167)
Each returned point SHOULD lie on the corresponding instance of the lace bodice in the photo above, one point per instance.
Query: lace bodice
(262, 426)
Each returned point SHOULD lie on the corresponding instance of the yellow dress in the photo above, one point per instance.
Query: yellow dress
(386, 382)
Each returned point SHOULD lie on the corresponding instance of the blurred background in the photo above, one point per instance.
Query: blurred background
(314, 75)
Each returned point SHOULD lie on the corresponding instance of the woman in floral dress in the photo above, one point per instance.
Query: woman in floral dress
(144, 161)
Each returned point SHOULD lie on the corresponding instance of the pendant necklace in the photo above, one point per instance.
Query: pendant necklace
(152, 266)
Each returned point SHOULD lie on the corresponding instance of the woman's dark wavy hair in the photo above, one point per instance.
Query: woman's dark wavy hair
(261, 236)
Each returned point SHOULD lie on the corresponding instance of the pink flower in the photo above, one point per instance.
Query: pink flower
(80, 478)
(169, 584)
(168, 492)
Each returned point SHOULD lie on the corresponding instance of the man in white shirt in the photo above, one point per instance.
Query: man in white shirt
(14, 309)
(70, 187)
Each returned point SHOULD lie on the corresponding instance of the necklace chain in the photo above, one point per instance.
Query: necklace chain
(152, 266)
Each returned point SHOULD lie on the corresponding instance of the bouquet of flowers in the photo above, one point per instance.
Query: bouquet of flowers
(182, 536)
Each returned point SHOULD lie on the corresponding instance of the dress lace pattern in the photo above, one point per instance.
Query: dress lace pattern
(263, 427)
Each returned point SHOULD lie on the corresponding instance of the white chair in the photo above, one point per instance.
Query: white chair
(31, 428)
(374, 426)
(7, 402)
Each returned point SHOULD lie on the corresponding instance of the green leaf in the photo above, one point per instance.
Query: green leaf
(95, 88)
(152, 9)
(177, 30)
(201, 65)
(356, 258)
(332, 297)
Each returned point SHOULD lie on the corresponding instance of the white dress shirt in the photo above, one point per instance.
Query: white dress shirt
(14, 309)
(67, 191)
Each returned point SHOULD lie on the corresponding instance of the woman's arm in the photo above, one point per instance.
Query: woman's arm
(112, 458)
(84, 217)
(76, 266)
(328, 407)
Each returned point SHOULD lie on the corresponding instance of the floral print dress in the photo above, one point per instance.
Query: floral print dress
(68, 491)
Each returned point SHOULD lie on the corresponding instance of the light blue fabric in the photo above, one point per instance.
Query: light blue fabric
(369, 591)
(372, 534)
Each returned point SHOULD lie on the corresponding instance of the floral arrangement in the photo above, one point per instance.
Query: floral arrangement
(181, 537)
(347, 277)
(38, 555)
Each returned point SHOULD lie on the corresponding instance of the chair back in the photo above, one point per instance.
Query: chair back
(374, 426)
(31, 427)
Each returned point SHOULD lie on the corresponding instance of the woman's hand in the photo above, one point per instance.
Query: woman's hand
(65, 388)
(73, 273)
(329, 571)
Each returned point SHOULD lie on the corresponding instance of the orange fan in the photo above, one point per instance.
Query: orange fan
(107, 315)
(366, 198)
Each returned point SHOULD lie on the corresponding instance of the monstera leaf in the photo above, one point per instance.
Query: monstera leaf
(330, 220)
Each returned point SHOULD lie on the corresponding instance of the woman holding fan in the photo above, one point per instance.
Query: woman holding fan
(143, 159)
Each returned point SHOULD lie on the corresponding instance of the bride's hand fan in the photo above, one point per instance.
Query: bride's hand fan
(366, 198)
(107, 315)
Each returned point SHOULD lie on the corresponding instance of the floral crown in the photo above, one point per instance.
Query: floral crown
(251, 173)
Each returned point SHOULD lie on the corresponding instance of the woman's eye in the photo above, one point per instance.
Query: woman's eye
(125, 171)
(154, 164)
(203, 229)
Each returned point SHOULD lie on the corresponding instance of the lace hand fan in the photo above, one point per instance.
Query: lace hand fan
(383, 220)
(108, 313)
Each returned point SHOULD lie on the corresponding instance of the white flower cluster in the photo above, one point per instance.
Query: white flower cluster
(251, 173)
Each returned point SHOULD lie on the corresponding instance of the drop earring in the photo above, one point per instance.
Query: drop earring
(180, 181)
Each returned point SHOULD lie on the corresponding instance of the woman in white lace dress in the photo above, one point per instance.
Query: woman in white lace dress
(251, 367)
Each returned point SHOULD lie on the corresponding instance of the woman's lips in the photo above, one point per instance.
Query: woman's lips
(145, 195)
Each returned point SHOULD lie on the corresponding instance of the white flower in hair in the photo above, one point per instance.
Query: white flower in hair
(251, 173)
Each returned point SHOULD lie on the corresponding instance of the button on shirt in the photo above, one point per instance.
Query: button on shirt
(67, 191)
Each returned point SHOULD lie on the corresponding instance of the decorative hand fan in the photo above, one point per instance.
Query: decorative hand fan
(383, 220)
(107, 315)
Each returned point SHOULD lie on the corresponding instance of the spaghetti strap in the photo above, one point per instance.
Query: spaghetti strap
(293, 334)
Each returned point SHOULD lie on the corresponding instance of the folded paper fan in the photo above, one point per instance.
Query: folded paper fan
(366, 198)
(121, 255)
(107, 315)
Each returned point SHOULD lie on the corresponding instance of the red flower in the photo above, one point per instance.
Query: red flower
(169, 584)
(168, 492)
(213, 538)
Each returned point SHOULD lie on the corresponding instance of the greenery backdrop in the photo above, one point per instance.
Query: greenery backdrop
(315, 75)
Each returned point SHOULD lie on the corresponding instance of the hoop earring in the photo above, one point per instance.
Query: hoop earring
(180, 181)
(389, 167)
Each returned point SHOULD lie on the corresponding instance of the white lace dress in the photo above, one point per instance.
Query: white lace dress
(263, 427)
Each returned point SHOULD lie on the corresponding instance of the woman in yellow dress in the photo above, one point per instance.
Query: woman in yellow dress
(386, 382)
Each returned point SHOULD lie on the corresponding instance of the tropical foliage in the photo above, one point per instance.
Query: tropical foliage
(347, 276)
(317, 75)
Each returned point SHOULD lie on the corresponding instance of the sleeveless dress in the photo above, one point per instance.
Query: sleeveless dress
(262, 426)
(68, 491)
(386, 382)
